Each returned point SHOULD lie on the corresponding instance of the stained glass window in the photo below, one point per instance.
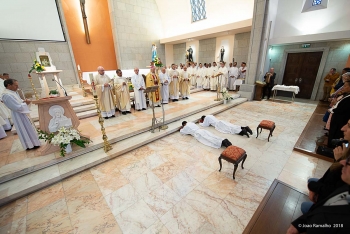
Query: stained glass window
(316, 2)
(198, 10)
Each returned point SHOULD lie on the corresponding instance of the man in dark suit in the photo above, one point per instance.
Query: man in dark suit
(332, 214)
(269, 79)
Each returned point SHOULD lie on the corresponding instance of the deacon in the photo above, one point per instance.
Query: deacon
(269, 79)
(174, 84)
(213, 78)
(122, 93)
(25, 128)
(164, 80)
(233, 75)
(223, 126)
(203, 136)
(152, 79)
(223, 78)
(104, 85)
(139, 86)
(185, 84)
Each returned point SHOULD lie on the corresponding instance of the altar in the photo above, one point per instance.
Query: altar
(293, 89)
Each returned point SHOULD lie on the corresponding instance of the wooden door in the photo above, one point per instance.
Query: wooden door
(301, 70)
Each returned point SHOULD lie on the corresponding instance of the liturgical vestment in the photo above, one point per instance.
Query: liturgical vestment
(122, 93)
(174, 84)
(140, 99)
(25, 129)
(153, 80)
(105, 95)
(164, 80)
(185, 84)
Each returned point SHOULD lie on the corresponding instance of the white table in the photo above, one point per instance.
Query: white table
(294, 89)
(43, 83)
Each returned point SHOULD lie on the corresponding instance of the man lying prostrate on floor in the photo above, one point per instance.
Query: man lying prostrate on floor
(203, 136)
(223, 126)
(332, 214)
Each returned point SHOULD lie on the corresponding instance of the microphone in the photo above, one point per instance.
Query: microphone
(65, 92)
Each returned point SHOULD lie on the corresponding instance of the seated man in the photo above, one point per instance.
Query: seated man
(223, 126)
(203, 136)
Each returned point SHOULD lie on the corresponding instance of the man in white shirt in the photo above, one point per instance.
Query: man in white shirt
(203, 136)
(223, 126)
(233, 75)
(139, 86)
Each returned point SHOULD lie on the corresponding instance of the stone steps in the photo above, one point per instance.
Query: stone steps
(28, 180)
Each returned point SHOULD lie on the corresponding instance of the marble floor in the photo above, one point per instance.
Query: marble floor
(173, 185)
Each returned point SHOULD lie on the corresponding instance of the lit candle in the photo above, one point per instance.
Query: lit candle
(78, 68)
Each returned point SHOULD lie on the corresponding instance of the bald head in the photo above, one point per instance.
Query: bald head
(101, 70)
(136, 70)
(163, 70)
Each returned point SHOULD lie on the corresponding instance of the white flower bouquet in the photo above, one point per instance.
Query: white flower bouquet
(64, 137)
(225, 94)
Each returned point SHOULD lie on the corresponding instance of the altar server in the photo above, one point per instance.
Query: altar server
(25, 128)
(139, 86)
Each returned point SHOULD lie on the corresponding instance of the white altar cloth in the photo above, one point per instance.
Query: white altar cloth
(294, 89)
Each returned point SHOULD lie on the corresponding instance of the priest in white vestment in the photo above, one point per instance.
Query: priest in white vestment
(243, 71)
(185, 83)
(223, 126)
(164, 80)
(139, 86)
(200, 74)
(203, 136)
(174, 84)
(122, 94)
(25, 128)
(232, 76)
(192, 71)
(223, 78)
(213, 78)
(104, 86)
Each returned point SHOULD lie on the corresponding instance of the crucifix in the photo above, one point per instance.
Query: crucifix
(87, 35)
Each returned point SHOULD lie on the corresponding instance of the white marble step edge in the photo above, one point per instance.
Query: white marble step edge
(55, 173)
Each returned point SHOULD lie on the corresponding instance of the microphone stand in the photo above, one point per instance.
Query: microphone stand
(163, 127)
(65, 92)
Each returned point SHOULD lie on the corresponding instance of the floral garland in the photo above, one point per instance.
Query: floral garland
(64, 137)
(37, 67)
(158, 62)
(225, 94)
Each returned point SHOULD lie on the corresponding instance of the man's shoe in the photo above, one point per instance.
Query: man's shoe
(129, 112)
(173, 100)
(123, 112)
(143, 108)
(105, 117)
(249, 130)
(187, 98)
(139, 110)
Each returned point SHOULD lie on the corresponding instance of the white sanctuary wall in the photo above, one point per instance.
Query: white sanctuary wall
(177, 16)
(292, 26)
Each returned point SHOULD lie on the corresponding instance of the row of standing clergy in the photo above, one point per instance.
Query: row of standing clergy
(114, 92)
(206, 78)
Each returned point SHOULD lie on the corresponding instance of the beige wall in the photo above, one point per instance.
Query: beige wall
(228, 43)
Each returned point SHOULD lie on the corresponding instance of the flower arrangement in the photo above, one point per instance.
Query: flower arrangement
(131, 87)
(225, 94)
(38, 67)
(64, 137)
(158, 62)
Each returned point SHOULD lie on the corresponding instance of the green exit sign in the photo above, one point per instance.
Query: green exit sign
(305, 45)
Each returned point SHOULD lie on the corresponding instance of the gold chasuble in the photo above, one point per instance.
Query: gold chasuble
(174, 84)
(153, 80)
(105, 95)
(185, 84)
(122, 93)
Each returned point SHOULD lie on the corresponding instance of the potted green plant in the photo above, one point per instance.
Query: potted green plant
(54, 93)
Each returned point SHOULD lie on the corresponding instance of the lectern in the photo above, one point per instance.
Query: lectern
(151, 90)
(44, 87)
(56, 108)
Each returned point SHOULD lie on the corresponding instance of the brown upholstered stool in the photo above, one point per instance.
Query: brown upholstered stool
(266, 124)
(235, 155)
